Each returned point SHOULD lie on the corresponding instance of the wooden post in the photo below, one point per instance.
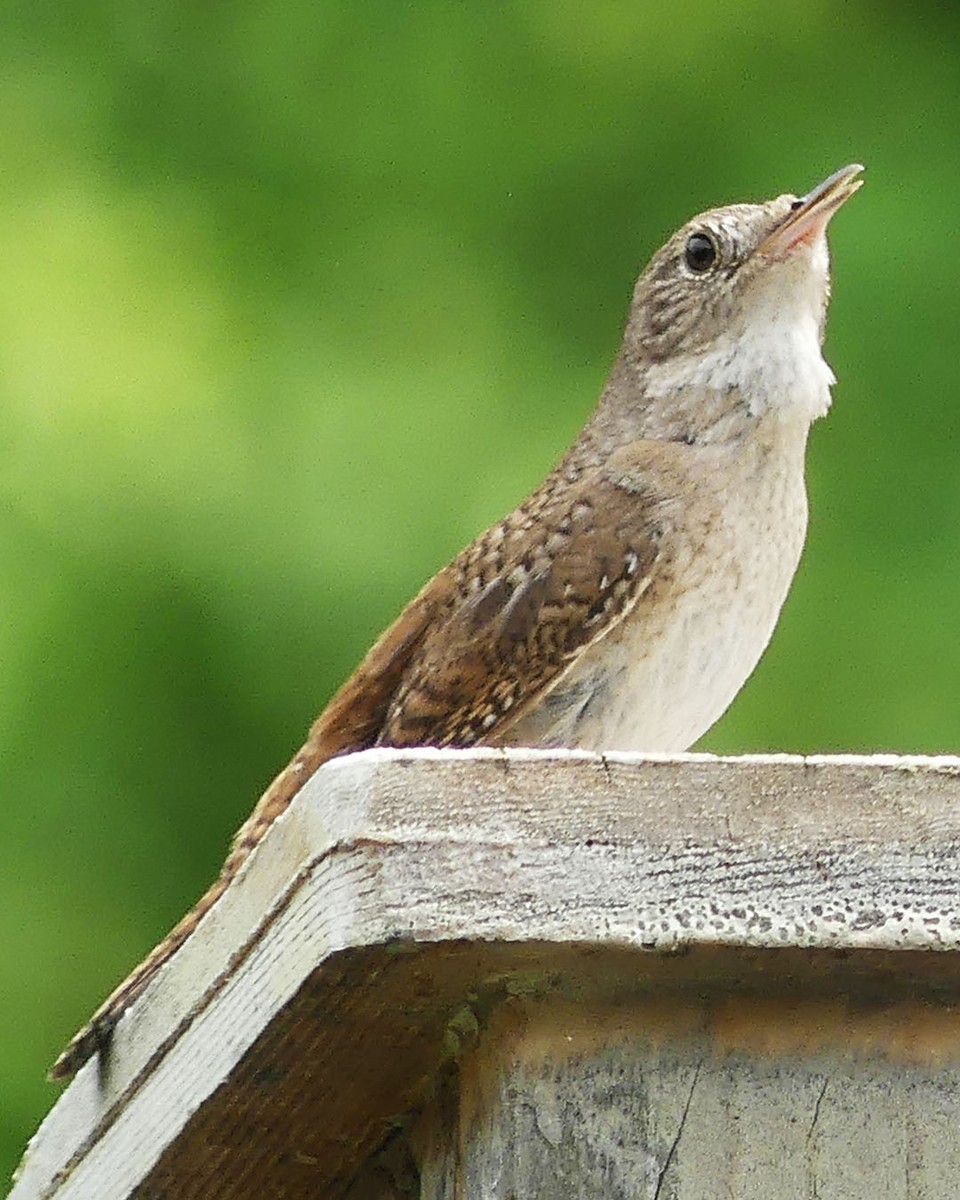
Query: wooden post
(511, 976)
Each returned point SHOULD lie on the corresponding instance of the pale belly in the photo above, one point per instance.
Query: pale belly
(672, 668)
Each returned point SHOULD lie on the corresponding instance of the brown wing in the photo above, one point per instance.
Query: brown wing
(536, 591)
(481, 644)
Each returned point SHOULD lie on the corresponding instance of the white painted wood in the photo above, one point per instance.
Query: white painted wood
(404, 851)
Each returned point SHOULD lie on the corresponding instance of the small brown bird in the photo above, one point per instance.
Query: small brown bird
(624, 603)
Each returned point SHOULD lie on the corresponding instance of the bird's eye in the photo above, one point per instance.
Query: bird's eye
(700, 252)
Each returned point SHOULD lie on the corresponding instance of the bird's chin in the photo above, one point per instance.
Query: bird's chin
(792, 285)
(805, 245)
(782, 250)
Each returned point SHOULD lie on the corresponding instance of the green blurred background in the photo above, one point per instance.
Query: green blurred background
(298, 297)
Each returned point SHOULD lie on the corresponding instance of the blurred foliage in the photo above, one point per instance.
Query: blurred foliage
(297, 298)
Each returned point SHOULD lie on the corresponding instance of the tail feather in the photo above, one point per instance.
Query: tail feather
(95, 1035)
(353, 720)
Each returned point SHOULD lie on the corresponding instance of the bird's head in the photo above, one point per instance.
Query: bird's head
(729, 267)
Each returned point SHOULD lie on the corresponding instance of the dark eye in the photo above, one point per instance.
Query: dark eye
(700, 252)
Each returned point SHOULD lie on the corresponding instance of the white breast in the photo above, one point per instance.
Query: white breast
(671, 675)
(660, 680)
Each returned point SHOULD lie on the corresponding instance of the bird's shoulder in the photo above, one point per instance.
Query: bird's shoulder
(500, 624)
(528, 597)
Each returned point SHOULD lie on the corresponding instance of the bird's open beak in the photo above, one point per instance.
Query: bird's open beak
(809, 215)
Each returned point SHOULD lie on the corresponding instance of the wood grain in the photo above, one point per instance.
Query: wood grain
(365, 967)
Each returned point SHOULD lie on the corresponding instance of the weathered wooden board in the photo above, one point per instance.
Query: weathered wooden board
(740, 1095)
(366, 961)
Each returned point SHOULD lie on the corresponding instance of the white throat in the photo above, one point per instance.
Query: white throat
(769, 355)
